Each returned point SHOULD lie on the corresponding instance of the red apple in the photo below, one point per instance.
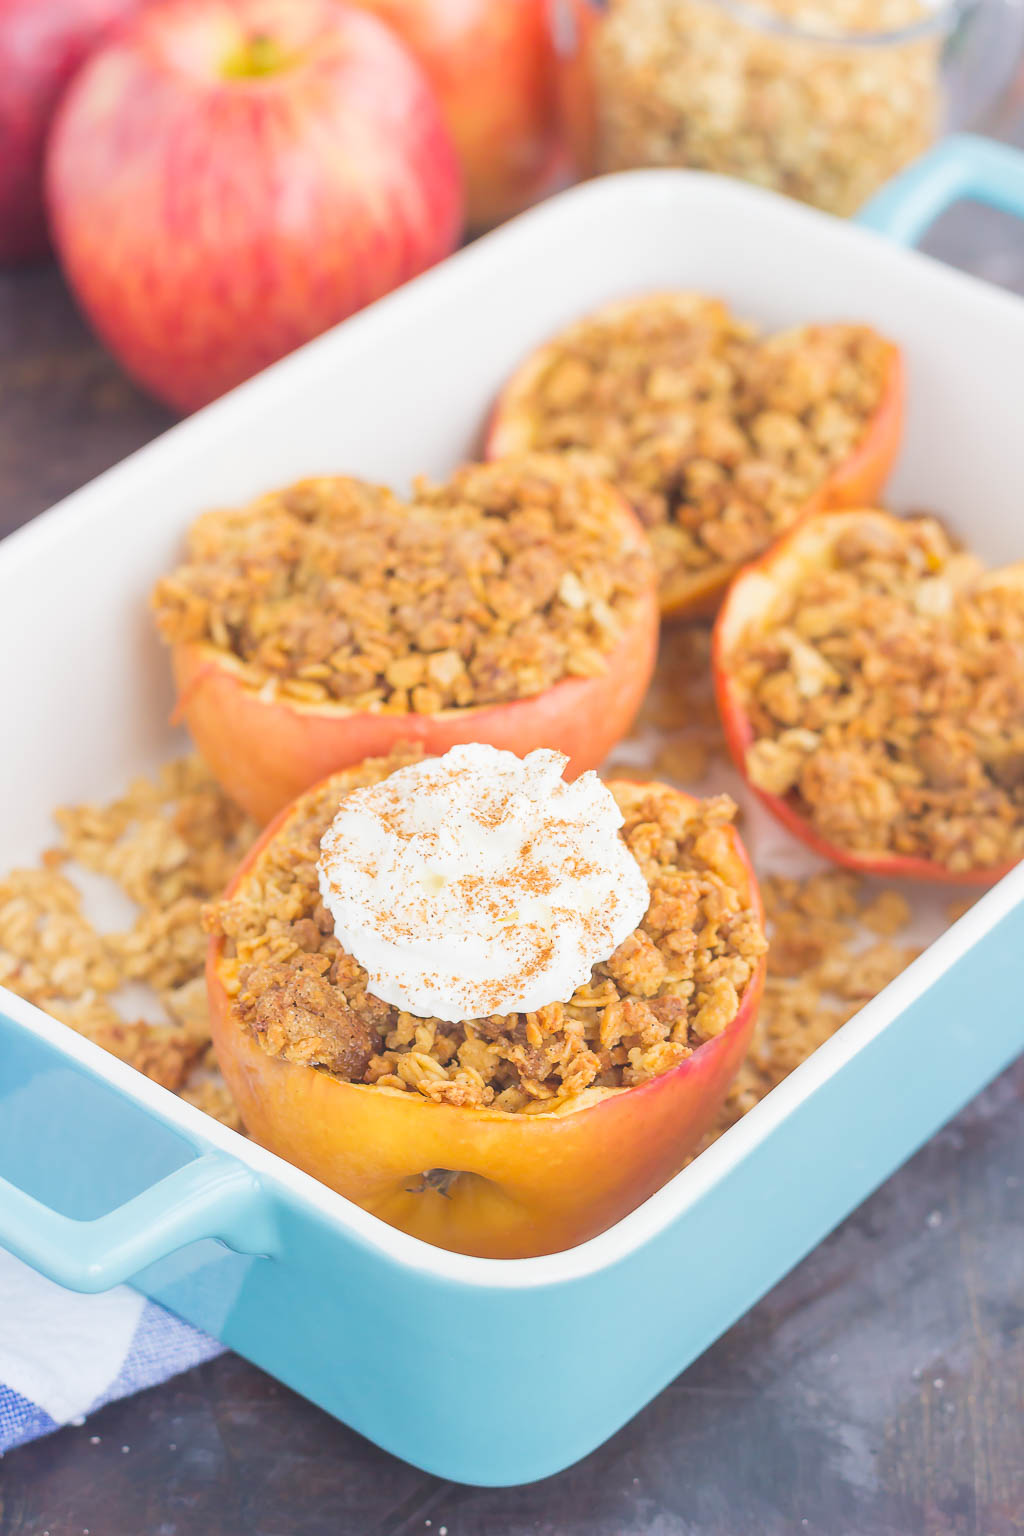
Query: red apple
(227, 178)
(519, 1184)
(42, 43)
(492, 63)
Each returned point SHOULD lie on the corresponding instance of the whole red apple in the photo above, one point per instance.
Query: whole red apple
(42, 43)
(492, 63)
(227, 178)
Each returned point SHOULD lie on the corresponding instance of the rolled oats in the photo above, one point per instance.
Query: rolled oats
(169, 844)
(808, 98)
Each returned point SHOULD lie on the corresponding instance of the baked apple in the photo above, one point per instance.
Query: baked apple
(502, 1134)
(719, 438)
(327, 622)
(870, 679)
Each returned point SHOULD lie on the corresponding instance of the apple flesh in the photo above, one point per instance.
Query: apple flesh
(227, 178)
(266, 751)
(42, 44)
(493, 66)
(749, 601)
(480, 1181)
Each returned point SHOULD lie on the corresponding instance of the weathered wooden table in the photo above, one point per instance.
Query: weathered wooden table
(878, 1391)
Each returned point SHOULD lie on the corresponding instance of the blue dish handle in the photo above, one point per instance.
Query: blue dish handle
(963, 165)
(212, 1196)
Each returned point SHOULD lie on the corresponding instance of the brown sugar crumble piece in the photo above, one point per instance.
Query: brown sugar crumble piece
(490, 587)
(716, 436)
(676, 981)
(886, 695)
(169, 844)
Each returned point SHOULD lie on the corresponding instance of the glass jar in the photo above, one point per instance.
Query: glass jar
(821, 99)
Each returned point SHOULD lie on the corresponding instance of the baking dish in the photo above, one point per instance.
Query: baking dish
(490, 1372)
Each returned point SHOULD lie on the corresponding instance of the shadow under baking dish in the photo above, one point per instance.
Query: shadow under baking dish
(491, 1372)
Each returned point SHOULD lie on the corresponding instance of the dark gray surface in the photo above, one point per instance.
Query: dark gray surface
(877, 1391)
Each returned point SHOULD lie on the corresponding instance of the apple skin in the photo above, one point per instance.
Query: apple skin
(265, 752)
(529, 1184)
(228, 178)
(42, 44)
(786, 564)
(493, 65)
(854, 482)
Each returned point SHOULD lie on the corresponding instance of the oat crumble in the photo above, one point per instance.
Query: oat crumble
(691, 82)
(675, 982)
(717, 437)
(886, 696)
(492, 586)
(169, 844)
(822, 969)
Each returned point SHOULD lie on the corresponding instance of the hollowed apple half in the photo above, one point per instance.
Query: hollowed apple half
(265, 749)
(854, 482)
(751, 598)
(480, 1181)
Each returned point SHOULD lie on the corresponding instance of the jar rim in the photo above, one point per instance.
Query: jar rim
(942, 17)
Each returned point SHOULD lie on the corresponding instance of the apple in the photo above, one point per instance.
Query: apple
(227, 178)
(855, 481)
(42, 43)
(266, 748)
(808, 548)
(503, 1185)
(493, 65)
(265, 751)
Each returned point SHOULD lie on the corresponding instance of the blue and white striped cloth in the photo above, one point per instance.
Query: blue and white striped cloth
(62, 1355)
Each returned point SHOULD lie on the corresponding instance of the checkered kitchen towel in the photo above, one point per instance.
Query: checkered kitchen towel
(63, 1355)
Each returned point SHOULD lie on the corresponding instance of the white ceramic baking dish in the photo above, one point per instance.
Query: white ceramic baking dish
(395, 1337)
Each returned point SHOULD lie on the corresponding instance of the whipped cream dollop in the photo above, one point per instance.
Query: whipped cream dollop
(480, 882)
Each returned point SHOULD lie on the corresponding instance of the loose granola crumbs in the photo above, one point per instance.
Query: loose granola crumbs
(676, 981)
(169, 844)
(678, 719)
(886, 693)
(493, 586)
(808, 107)
(820, 973)
(717, 437)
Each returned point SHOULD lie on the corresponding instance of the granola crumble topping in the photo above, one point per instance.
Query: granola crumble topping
(716, 436)
(676, 981)
(886, 695)
(492, 586)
